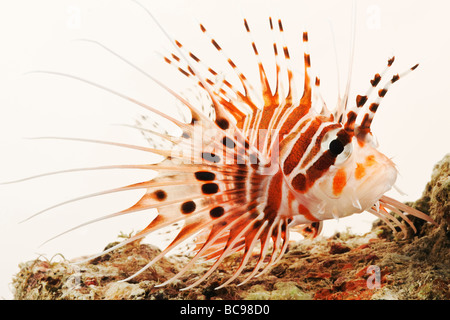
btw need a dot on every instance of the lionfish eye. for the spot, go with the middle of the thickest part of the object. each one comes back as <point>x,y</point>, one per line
<point>336,147</point>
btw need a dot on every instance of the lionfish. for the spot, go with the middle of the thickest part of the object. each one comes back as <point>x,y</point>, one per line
<point>259,163</point>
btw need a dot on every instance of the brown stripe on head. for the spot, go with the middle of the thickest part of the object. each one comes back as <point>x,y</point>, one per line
<point>319,167</point>
<point>303,182</point>
<point>350,123</point>
<point>300,146</point>
<point>345,136</point>
<point>299,183</point>
<point>293,118</point>
<point>317,146</point>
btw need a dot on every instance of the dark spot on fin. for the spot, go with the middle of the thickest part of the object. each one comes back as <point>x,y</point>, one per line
<point>280,25</point>
<point>160,195</point>
<point>194,57</point>
<point>351,118</point>
<point>205,176</point>
<point>176,57</point>
<point>257,224</point>
<point>382,92</point>
<point>232,64</point>
<point>216,212</point>
<point>395,78</point>
<point>183,72</point>
<point>305,36</point>
<point>307,60</point>
<point>188,207</point>
<point>194,119</point>
<point>222,123</point>
<point>365,123</point>
<point>360,100</point>
<point>210,188</point>
<point>373,107</point>
<point>286,52</point>
<point>391,61</point>
<point>216,45</point>
<point>376,80</point>
<point>254,48</point>
<point>178,43</point>
<point>246,25</point>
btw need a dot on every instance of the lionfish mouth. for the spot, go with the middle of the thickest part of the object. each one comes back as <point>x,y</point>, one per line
<point>233,200</point>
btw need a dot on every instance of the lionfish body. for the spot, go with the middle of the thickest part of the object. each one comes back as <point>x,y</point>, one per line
<point>262,162</point>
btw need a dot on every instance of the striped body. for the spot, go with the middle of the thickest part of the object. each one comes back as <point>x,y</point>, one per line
<point>252,164</point>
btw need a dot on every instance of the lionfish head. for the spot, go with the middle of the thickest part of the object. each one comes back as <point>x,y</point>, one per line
<point>358,178</point>
<point>342,172</point>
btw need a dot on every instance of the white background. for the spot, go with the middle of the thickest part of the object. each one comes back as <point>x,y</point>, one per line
<point>411,124</point>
